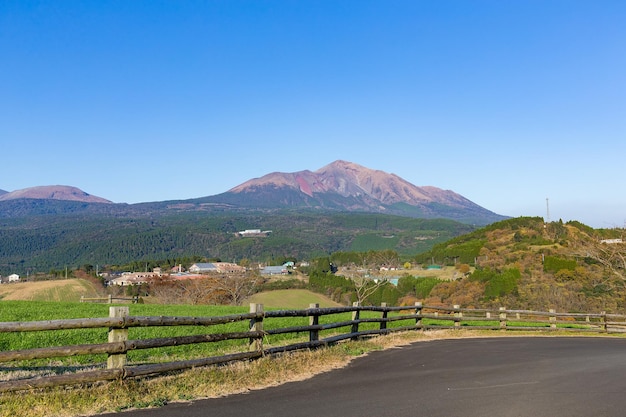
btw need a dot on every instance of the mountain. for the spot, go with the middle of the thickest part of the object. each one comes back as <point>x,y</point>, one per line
<point>346,186</point>
<point>338,187</point>
<point>52,192</point>
<point>2,192</point>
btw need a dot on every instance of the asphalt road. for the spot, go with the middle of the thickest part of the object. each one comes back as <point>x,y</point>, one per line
<point>555,377</point>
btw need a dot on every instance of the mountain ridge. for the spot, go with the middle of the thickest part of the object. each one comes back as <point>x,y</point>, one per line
<point>340,186</point>
<point>343,185</point>
<point>53,192</point>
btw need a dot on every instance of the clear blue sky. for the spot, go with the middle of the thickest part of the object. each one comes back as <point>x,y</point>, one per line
<point>504,102</point>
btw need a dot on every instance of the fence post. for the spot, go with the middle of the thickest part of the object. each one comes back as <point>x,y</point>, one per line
<point>117,360</point>
<point>256,325</point>
<point>458,315</point>
<point>604,324</point>
<point>110,299</point>
<point>418,314</point>
<point>503,318</point>
<point>552,319</point>
<point>314,320</point>
<point>356,315</point>
<point>383,323</point>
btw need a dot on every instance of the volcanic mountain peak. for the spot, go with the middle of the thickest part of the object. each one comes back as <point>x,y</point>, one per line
<point>350,180</point>
<point>53,192</point>
<point>347,186</point>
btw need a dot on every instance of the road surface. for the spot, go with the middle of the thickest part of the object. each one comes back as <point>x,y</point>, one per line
<point>510,376</point>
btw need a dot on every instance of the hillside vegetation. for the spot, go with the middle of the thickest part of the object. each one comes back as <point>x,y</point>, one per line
<point>44,243</point>
<point>525,263</point>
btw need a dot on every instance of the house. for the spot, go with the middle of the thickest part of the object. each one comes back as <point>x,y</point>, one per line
<point>274,270</point>
<point>228,267</point>
<point>13,278</point>
<point>611,241</point>
<point>253,233</point>
<point>133,278</point>
<point>221,267</point>
<point>202,267</point>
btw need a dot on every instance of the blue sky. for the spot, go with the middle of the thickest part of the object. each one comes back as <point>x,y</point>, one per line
<point>504,102</point>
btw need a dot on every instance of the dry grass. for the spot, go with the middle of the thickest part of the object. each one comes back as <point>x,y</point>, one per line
<point>57,290</point>
<point>211,382</point>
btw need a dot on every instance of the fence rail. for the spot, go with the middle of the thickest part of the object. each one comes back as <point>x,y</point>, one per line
<point>109,299</point>
<point>375,320</point>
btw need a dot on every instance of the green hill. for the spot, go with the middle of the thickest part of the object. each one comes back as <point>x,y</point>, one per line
<point>527,264</point>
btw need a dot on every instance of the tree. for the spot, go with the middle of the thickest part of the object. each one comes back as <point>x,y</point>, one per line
<point>236,288</point>
<point>388,258</point>
<point>365,286</point>
<point>610,253</point>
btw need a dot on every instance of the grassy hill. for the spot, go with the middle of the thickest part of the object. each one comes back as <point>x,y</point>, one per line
<point>527,264</point>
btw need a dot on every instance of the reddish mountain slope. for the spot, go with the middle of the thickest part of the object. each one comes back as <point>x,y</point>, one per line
<point>348,186</point>
<point>53,192</point>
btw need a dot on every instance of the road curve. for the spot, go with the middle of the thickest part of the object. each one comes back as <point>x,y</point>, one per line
<point>509,376</point>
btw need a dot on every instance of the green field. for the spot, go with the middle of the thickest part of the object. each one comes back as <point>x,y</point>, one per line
<point>291,299</point>
<point>11,311</point>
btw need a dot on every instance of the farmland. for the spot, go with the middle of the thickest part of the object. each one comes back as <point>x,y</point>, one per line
<point>60,290</point>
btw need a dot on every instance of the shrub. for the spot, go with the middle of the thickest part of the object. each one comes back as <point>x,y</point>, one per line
<point>423,286</point>
<point>554,264</point>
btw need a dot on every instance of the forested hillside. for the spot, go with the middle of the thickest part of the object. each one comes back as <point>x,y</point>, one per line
<point>43,242</point>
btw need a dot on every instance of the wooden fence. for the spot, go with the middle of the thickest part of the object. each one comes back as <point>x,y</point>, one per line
<point>257,340</point>
<point>109,299</point>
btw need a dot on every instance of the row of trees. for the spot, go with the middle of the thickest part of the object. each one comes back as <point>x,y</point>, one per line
<point>216,289</point>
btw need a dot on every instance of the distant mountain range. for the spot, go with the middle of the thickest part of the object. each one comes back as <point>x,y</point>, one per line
<point>340,186</point>
<point>52,192</point>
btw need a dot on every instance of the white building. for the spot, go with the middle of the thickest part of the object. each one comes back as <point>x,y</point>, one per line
<point>13,278</point>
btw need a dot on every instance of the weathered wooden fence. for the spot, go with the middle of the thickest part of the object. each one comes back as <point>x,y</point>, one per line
<point>109,299</point>
<point>364,321</point>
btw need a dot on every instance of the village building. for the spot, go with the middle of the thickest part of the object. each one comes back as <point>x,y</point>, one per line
<point>253,233</point>
<point>133,278</point>
<point>220,267</point>
<point>275,270</point>
<point>202,267</point>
